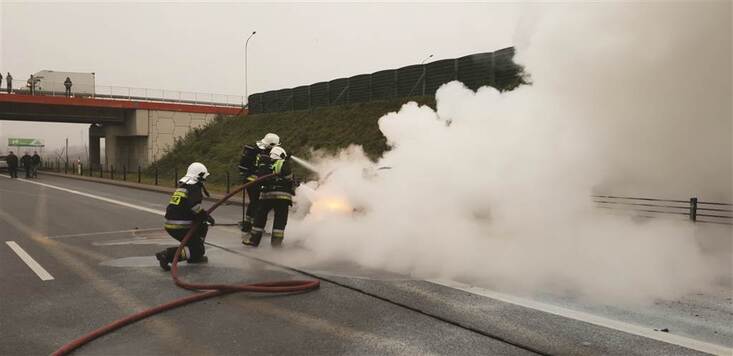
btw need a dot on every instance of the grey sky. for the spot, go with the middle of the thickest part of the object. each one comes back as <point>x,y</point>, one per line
<point>200,46</point>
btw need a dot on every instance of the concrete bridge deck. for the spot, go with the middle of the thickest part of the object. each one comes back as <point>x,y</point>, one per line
<point>135,132</point>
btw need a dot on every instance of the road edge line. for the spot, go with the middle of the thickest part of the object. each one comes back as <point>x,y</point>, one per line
<point>625,327</point>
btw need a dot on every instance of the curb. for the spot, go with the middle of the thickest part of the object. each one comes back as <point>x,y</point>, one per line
<point>237,200</point>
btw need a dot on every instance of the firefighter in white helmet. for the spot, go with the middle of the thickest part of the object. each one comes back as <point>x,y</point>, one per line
<point>183,213</point>
<point>247,169</point>
<point>276,194</point>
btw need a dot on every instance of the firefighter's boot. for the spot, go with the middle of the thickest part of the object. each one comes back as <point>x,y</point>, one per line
<point>253,238</point>
<point>276,240</point>
<point>162,257</point>
<point>245,226</point>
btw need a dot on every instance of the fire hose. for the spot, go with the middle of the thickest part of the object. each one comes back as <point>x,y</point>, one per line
<point>206,291</point>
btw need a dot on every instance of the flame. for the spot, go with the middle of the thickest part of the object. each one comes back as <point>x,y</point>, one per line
<point>331,205</point>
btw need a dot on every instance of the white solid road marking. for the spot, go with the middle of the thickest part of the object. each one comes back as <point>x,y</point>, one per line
<point>108,200</point>
<point>104,233</point>
<point>593,319</point>
<point>552,309</point>
<point>32,264</point>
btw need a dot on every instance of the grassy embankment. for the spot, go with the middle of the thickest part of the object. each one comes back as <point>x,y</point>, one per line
<point>219,144</point>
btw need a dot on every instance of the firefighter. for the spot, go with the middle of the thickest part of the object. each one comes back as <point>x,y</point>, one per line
<point>276,194</point>
<point>184,212</point>
<point>247,169</point>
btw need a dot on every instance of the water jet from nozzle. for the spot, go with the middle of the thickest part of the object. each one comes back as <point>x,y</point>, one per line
<point>305,164</point>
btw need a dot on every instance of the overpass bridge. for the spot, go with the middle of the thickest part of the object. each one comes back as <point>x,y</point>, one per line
<point>137,130</point>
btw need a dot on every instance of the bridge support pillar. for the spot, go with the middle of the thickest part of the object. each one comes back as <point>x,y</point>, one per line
<point>147,135</point>
<point>95,134</point>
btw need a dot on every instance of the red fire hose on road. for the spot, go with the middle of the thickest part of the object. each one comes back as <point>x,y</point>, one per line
<point>211,290</point>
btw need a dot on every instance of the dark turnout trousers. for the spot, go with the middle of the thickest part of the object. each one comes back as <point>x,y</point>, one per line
<point>253,193</point>
<point>195,244</point>
<point>280,207</point>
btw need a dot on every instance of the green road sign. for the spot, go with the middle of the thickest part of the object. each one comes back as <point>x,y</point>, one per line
<point>25,142</point>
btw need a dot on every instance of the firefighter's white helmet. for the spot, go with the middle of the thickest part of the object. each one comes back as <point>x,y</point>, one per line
<point>271,140</point>
<point>278,153</point>
<point>196,172</point>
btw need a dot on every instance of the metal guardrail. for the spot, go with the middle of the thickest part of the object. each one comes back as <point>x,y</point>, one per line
<point>135,174</point>
<point>692,209</point>
<point>127,93</point>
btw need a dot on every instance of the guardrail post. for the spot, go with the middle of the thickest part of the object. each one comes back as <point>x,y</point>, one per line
<point>112,172</point>
<point>138,174</point>
<point>156,174</point>
<point>175,176</point>
<point>124,172</point>
<point>81,169</point>
<point>693,209</point>
<point>227,175</point>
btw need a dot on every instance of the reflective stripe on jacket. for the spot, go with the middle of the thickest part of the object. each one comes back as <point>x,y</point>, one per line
<point>185,203</point>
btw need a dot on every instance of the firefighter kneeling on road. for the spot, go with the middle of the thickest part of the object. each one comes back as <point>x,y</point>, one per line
<point>248,170</point>
<point>184,212</point>
<point>276,194</point>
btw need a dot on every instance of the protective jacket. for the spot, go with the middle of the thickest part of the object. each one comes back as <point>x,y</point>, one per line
<point>281,186</point>
<point>185,206</point>
<point>249,162</point>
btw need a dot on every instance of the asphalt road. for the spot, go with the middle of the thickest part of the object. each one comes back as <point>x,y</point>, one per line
<point>99,254</point>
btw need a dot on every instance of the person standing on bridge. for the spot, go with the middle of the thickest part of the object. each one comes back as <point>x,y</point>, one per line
<point>9,80</point>
<point>12,160</point>
<point>36,163</point>
<point>184,212</point>
<point>67,84</point>
<point>276,194</point>
<point>26,161</point>
<point>247,169</point>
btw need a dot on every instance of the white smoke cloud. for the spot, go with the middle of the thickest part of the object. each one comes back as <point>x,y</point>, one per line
<point>495,187</point>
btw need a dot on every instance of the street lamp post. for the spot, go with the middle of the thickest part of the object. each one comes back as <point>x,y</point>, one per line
<point>245,67</point>
<point>426,59</point>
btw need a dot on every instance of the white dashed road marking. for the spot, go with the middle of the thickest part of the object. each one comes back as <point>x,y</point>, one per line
<point>32,264</point>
